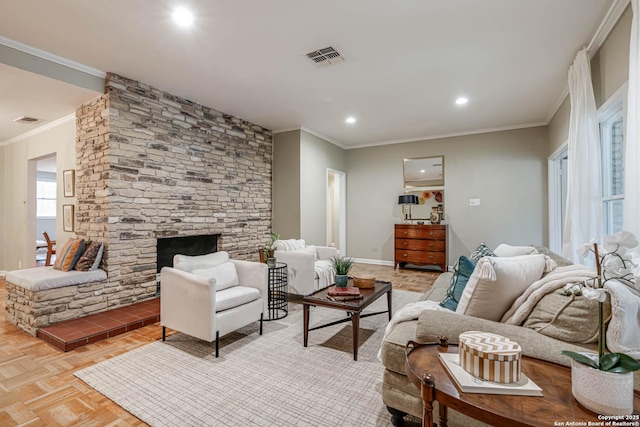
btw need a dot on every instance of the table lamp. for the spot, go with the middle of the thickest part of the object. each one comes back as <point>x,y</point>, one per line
<point>406,200</point>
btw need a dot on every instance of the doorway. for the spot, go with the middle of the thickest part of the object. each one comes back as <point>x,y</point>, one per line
<point>337,210</point>
<point>557,196</point>
<point>45,205</point>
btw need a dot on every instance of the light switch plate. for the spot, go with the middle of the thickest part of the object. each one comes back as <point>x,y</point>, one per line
<point>474,202</point>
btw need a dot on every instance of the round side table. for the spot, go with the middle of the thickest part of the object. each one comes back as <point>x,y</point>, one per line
<point>277,292</point>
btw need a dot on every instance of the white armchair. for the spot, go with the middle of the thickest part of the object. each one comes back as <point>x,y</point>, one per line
<point>308,267</point>
<point>209,296</point>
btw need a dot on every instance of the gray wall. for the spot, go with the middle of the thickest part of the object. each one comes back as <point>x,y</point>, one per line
<point>559,126</point>
<point>286,184</point>
<point>316,155</point>
<point>506,170</point>
<point>609,71</point>
<point>610,65</point>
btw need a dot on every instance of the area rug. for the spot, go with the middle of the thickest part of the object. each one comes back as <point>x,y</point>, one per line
<point>268,380</point>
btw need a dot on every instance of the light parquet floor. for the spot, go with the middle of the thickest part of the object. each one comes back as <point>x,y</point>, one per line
<point>37,386</point>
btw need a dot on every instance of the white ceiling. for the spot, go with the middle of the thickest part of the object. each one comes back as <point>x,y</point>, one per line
<point>406,60</point>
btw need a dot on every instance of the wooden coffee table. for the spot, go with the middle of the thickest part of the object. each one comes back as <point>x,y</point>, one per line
<point>353,308</point>
<point>557,404</point>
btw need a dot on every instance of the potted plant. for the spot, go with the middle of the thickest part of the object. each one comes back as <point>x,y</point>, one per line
<point>342,266</point>
<point>266,252</point>
<point>603,382</point>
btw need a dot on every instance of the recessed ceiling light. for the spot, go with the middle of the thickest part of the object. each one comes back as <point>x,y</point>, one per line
<point>183,17</point>
<point>462,100</point>
<point>350,120</point>
<point>422,171</point>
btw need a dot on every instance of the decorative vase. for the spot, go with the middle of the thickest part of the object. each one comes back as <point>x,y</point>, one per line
<point>605,393</point>
<point>435,218</point>
<point>342,280</point>
<point>271,262</point>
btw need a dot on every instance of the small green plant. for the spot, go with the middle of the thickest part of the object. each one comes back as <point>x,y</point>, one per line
<point>267,249</point>
<point>342,265</point>
<point>609,362</point>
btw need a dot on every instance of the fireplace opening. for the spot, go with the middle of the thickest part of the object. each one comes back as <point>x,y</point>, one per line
<point>189,245</point>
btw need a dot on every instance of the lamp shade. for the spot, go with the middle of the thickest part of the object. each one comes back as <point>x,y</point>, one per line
<point>408,199</point>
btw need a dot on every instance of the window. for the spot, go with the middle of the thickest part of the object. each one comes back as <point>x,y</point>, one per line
<point>612,142</point>
<point>45,198</point>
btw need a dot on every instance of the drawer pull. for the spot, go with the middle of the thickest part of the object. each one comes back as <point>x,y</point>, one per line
<point>431,234</point>
<point>430,256</point>
<point>431,245</point>
<point>404,255</point>
<point>404,243</point>
<point>405,233</point>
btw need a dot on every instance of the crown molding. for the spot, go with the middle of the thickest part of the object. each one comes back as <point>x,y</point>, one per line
<point>314,133</point>
<point>450,135</point>
<point>609,21</point>
<point>51,57</point>
<point>40,129</point>
<point>556,106</point>
<point>326,138</point>
<point>612,17</point>
<point>286,130</point>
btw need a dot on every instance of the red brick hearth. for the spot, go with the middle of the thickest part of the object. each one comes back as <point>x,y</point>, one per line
<point>75,333</point>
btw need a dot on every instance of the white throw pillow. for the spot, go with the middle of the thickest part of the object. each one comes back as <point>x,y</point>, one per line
<point>497,282</point>
<point>290,245</point>
<point>623,332</point>
<point>505,250</point>
<point>312,250</point>
<point>190,263</point>
<point>225,274</point>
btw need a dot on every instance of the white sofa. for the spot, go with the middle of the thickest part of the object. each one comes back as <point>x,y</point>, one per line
<point>209,296</point>
<point>308,266</point>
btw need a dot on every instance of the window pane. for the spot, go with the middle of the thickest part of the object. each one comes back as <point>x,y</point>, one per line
<point>46,207</point>
<point>613,215</point>
<point>617,159</point>
<point>46,190</point>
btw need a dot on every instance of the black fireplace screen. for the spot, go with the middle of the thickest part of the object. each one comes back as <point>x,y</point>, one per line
<point>189,245</point>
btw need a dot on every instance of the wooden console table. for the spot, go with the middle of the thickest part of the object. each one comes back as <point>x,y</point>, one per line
<point>425,370</point>
<point>421,244</point>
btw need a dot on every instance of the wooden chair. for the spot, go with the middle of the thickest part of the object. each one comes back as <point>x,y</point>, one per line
<point>51,248</point>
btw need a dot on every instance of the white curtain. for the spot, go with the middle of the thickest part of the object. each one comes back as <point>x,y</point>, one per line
<point>632,145</point>
<point>583,220</point>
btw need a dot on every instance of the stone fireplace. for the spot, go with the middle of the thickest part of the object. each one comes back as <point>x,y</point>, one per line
<point>167,248</point>
<point>151,165</point>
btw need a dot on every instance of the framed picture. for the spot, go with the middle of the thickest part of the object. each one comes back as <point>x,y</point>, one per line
<point>69,182</point>
<point>68,222</point>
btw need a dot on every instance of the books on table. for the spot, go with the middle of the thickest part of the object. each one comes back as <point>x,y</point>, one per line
<point>336,291</point>
<point>467,383</point>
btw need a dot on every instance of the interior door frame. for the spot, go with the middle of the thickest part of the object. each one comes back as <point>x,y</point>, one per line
<point>555,197</point>
<point>342,237</point>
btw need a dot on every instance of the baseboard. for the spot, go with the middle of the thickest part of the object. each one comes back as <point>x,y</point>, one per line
<point>3,273</point>
<point>373,261</point>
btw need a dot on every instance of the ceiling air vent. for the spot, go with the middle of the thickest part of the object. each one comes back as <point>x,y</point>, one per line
<point>325,56</point>
<point>27,120</point>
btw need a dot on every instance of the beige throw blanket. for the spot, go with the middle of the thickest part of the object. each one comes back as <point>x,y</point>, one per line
<point>557,279</point>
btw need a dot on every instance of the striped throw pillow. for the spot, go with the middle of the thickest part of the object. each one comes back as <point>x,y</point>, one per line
<point>89,256</point>
<point>71,252</point>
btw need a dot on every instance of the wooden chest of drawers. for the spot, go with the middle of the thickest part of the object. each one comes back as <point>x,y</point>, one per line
<point>421,245</point>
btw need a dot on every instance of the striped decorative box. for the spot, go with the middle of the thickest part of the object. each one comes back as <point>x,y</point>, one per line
<point>490,356</point>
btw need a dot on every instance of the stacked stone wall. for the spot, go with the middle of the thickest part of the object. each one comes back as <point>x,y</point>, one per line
<point>30,310</point>
<point>152,165</point>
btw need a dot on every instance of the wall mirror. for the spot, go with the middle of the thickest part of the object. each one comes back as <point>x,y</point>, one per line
<point>423,172</point>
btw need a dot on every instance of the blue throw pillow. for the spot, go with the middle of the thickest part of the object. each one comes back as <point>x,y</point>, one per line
<point>461,273</point>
